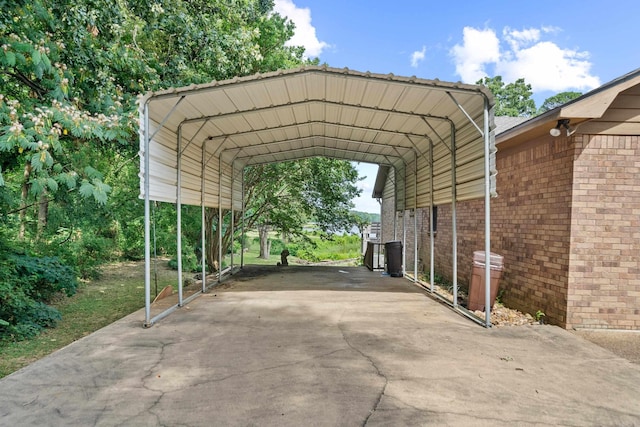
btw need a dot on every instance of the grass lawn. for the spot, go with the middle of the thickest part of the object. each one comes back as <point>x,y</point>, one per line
<point>117,293</point>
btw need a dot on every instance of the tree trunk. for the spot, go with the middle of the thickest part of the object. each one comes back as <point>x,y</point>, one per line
<point>263,230</point>
<point>43,212</point>
<point>23,202</point>
<point>211,237</point>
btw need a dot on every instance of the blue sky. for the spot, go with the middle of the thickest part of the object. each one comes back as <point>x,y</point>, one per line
<point>556,46</point>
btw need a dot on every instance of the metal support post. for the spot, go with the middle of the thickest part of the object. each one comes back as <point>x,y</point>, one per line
<point>487,216</point>
<point>202,218</point>
<point>179,214</point>
<point>454,218</point>
<point>147,217</point>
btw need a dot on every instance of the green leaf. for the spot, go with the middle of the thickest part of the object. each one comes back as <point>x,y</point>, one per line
<point>10,58</point>
<point>46,62</point>
<point>101,191</point>
<point>39,70</point>
<point>6,144</point>
<point>36,57</point>
<point>36,187</point>
<point>48,160</point>
<point>20,59</point>
<point>36,162</point>
<point>1,178</point>
<point>58,93</point>
<point>92,173</point>
<point>52,184</point>
<point>86,189</point>
<point>71,180</point>
<point>23,47</point>
<point>67,179</point>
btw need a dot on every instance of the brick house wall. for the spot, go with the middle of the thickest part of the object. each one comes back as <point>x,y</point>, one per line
<point>530,227</point>
<point>566,220</point>
<point>387,215</point>
<point>604,279</point>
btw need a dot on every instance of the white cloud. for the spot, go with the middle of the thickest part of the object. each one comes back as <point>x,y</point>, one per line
<point>545,66</point>
<point>479,48</point>
<point>305,33</point>
<point>542,63</point>
<point>516,38</point>
<point>418,56</point>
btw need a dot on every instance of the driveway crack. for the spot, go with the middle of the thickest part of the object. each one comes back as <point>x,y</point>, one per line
<point>378,373</point>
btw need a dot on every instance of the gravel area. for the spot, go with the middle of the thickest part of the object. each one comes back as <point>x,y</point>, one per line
<point>505,316</point>
<point>500,315</point>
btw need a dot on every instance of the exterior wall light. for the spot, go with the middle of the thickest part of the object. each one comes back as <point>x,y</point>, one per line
<point>562,123</point>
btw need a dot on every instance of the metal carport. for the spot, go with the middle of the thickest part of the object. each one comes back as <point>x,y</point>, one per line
<point>195,141</point>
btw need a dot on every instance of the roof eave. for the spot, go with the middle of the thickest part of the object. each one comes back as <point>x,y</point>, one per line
<point>591,105</point>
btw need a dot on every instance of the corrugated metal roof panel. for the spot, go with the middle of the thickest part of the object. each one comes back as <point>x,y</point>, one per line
<point>314,111</point>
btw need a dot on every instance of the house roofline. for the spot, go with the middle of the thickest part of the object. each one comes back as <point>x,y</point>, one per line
<point>591,105</point>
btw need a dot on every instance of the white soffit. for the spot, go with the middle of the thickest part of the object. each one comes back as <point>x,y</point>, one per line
<point>314,111</point>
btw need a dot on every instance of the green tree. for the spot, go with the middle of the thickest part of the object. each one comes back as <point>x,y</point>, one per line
<point>71,71</point>
<point>70,75</point>
<point>512,99</point>
<point>557,100</point>
<point>283,197</point>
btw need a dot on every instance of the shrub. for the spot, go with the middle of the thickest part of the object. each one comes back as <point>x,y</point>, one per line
<point>293,248</point>
<point>21,317</point>
<point>27,283</point>
<point>277,246</point>
<point>307,255</point>
<point>44,277</point>
<point>189,261</point>
<point>236,247</point>
<point>91,252</point>
<point>130,239</point>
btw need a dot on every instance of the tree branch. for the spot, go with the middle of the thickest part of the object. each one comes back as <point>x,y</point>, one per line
<point>18,75</point>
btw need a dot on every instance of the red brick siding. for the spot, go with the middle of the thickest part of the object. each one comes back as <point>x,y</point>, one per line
<point>530,227</point>
<point>387,219</point>
<point>604,282</point>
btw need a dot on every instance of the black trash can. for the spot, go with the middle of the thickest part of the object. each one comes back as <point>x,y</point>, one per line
<point>393,257</point>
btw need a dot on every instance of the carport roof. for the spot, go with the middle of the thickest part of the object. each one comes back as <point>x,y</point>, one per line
<point>195,140</point>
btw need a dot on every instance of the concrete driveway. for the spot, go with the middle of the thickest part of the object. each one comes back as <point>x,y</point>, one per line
<point>322,346</point>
